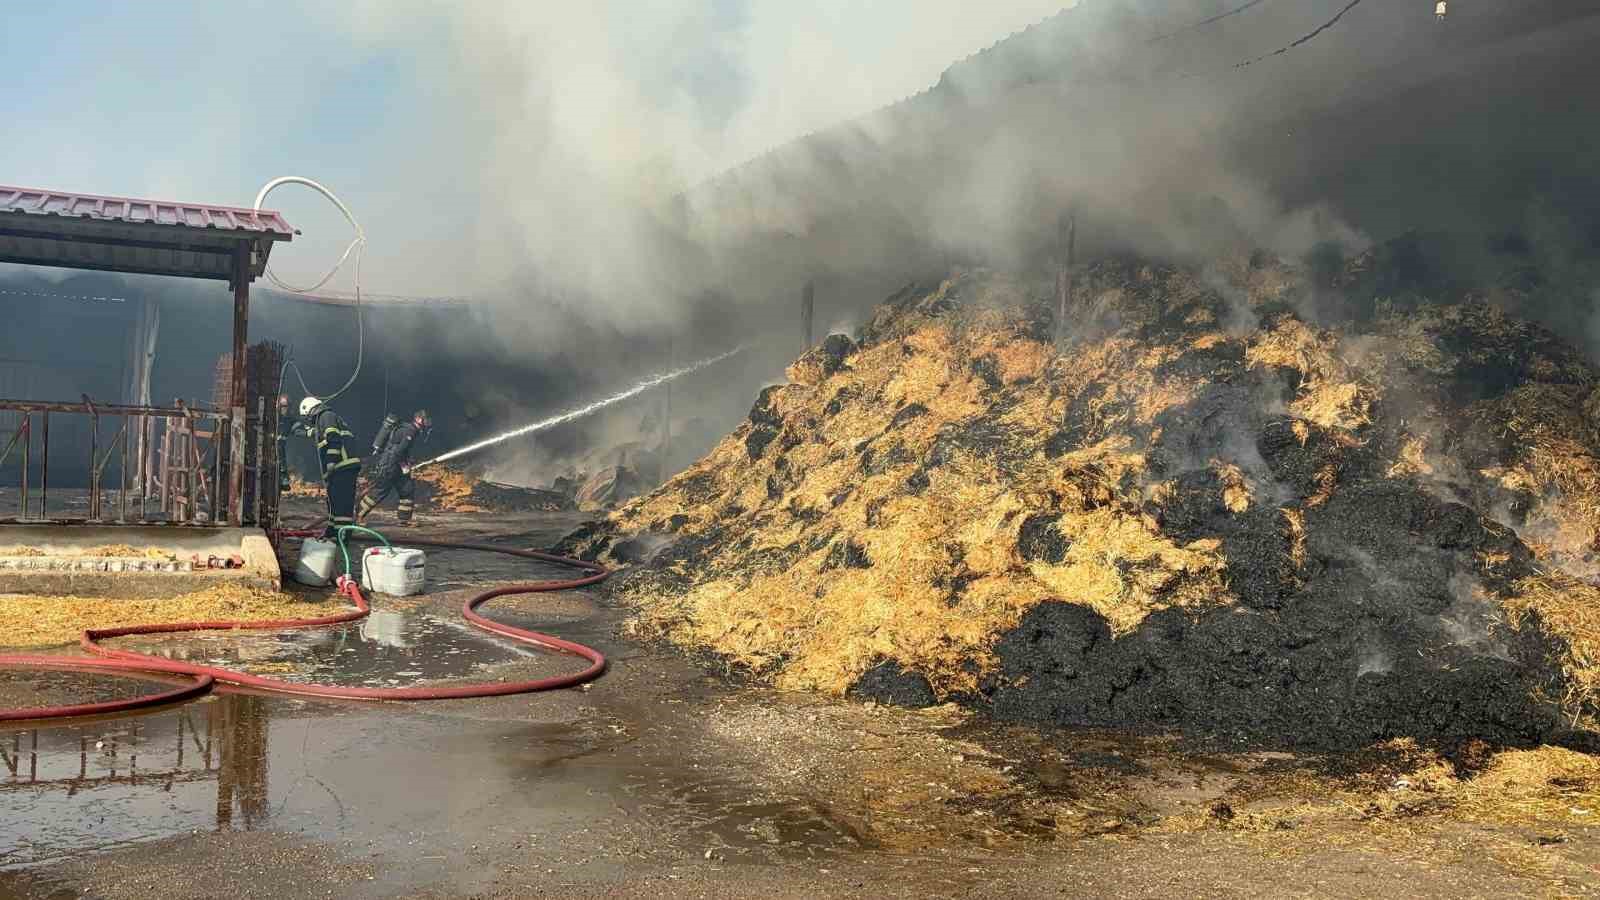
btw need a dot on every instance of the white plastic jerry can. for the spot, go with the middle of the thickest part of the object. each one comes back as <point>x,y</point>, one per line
<point>396,571</point>
<point>316,563</point>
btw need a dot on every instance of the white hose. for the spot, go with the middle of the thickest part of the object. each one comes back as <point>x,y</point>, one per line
<point>358,246</point>
<point>358,242</point>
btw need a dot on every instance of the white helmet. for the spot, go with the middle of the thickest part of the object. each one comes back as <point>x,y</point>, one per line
<point>307,405</point>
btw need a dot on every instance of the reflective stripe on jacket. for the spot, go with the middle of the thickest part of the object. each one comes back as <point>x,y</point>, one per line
<point>333,439</point>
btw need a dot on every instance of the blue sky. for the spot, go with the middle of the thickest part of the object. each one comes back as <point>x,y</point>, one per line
<point>451,129</point>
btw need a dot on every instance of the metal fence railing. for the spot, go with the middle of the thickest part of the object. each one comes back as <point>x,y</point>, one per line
<point>160,464</point>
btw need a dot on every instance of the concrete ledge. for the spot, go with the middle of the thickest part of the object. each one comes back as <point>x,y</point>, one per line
<point>62,560</point>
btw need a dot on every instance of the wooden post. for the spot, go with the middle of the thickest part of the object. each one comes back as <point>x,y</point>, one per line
<point>808,296</point>
<point>241,318</point>
<point>241,325</point>
<point>1067,235</point>
<point>260,460</point>
<point>236,442</point>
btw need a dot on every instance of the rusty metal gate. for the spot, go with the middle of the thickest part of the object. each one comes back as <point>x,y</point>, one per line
<point>182,479</point>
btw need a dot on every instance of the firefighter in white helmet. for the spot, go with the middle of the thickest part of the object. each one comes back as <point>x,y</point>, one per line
<point>339,469</point>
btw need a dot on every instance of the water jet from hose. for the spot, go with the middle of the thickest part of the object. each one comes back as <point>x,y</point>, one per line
<point>580,412</point>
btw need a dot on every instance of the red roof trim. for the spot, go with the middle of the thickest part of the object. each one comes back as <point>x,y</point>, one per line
<point>37,201</point>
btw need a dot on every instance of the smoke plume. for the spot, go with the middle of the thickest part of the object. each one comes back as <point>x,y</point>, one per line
<point>618,185</point>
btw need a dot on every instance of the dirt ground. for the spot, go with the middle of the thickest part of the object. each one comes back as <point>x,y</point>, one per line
<point>666,779</point>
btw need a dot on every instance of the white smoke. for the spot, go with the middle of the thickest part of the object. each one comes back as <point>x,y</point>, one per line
<point>1373,659</point>
<point>1473,619</point>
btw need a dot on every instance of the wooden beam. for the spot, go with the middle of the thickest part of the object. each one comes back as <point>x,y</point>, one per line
<point>241,318</point>
<point>132,268</point>
<point>177,246</point>
<point>241,329</point>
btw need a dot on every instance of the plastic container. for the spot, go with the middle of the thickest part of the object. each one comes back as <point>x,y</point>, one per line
<point>396,571</point>
<point>317,562</point>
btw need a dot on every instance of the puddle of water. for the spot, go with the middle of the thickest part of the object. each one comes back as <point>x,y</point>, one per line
<point>391,778</point>
<point>740,818</point>
<point>23,688</point>
<point>108,784</point>
<point>389,648</point>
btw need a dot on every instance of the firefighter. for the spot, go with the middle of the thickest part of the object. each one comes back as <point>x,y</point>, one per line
<point>391,471</point>
<point>339,468</point>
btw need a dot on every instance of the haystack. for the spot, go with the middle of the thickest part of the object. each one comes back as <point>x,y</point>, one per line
<point>1223,507</point>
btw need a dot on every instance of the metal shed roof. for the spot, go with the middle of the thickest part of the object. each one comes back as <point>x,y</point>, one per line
<point>345,298</point>
<point>126,234</point>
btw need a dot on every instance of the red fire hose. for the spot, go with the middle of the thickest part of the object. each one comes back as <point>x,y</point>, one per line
<point>131,663</point>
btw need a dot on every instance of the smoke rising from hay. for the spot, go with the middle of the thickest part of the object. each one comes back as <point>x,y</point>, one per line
<point>1373,659</point>
<point>638,164</point>
<point>588,121</point>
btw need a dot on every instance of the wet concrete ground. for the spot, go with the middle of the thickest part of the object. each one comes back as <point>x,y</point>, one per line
<point>660,780</point>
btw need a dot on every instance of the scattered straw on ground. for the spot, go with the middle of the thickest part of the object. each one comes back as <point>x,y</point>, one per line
<point>1543,787</point>
<point>128,550</point>
<point>123,551</point>
<point>1511,808</point>
<point>38,621</point>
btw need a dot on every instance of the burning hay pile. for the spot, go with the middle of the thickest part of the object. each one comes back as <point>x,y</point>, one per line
<point>1221,508</point>
<point>453,490</point>
<point>299,487</point>
<point>449,489</point>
